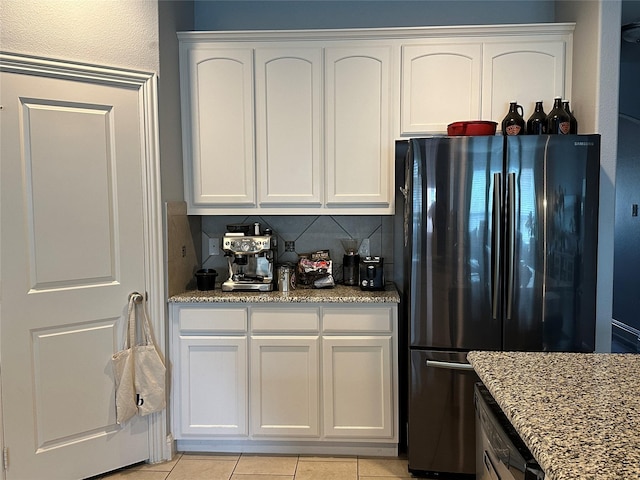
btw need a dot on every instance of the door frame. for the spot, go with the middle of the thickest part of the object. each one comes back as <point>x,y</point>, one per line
<point>160,444</point>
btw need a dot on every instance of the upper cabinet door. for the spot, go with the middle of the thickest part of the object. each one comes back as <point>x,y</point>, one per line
<point>526,71</point>
<point>217,115</point>
<point>440,85</point>
<point>288,125</point>
<point>359,143</point>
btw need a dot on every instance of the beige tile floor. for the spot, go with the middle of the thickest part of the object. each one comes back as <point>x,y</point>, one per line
<point>266,467</point>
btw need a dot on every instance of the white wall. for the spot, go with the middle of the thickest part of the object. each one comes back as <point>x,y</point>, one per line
<point>117,33</point>
<point>596,65</point>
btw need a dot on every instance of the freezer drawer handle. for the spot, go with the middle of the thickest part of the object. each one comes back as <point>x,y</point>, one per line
<point>449,365</point>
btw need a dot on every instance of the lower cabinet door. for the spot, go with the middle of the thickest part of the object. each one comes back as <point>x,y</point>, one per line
<point>358,387</point>
<point>285,386</point>
<point>213,386</point>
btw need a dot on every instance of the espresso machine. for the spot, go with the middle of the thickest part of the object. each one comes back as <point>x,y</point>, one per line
<point>250,254</point>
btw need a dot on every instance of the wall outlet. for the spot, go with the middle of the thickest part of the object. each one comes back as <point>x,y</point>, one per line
<point>214,246</point>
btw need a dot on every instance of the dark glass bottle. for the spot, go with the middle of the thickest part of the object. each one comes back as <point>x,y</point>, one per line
<point>573,123</point>
<point>558,121</point>
<point>537,123</point>
<point>513,122</point>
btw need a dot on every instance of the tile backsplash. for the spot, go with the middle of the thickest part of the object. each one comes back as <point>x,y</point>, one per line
<point>188,240</point>
<point>308,233</point>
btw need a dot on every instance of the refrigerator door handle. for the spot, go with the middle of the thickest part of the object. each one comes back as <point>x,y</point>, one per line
<point>495,241</point>
<point>511,229</point>
<point>448,365</point>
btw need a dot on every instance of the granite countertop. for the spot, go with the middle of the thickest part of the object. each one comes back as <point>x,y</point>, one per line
<point>337,294</point>
<point>579,413</point>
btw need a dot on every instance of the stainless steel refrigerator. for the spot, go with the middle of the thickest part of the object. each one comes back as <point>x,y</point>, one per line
<point>500,238</point>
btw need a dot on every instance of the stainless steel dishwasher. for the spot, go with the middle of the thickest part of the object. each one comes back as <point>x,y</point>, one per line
<point>500,452</point>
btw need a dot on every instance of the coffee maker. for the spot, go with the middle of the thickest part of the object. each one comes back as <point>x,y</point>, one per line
<point>250,254</point>
<point>372,273</point>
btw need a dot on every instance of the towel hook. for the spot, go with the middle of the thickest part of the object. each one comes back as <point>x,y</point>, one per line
<point>136,297</point>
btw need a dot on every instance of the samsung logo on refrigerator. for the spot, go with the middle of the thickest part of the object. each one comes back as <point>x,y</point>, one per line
<point>583,144</point>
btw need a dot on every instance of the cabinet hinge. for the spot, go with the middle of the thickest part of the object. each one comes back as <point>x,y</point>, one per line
<point>5,458</point>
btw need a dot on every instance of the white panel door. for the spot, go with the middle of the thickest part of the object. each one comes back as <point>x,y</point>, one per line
<point>72,251</point>
<point>440,85</point>
<point>358,386</point>
<point>285,391</point>
<point>524,71</point>
<point>217,126</point>
<point>213,386</point>
<point>359,144</point>
<point>289,125</point>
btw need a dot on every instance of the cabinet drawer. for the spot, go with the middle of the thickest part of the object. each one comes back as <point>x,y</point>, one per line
<point>358,319</point>
<point>213,320</point>
<point>285,319</point>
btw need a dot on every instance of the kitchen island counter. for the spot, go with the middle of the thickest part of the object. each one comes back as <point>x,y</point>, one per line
<point>578,413</point>
<point>338,294</point>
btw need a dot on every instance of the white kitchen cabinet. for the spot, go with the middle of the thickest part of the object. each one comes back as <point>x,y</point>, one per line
<point>289,125</point>
<point>359,141</point>
<point>285,368</point>
<point>273,378</point>
<point>441,84</point>
<point>473,74</point>
<point>323,139</point>
<point>526,70</point>
<point>217,125</point>
<point>210,380</point>
<point>213,385</point>
<point>284,386</point>
<point>358,397</point>
<point>328,105</point>
<point>345,162</point>
<point>359,372</point>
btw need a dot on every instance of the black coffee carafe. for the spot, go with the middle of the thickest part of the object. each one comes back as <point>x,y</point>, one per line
<point>537,122</point>
<point>513,122</point>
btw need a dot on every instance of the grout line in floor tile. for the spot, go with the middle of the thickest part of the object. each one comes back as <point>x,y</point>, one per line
<point>182,456</point>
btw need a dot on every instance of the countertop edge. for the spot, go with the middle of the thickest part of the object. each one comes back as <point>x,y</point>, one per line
<point>339,294</point>
<point>495,389</point>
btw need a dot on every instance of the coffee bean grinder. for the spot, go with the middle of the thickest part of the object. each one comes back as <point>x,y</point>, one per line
<point>350,261</point>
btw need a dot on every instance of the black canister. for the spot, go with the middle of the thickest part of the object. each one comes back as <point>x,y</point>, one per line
<point>206,279</point>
